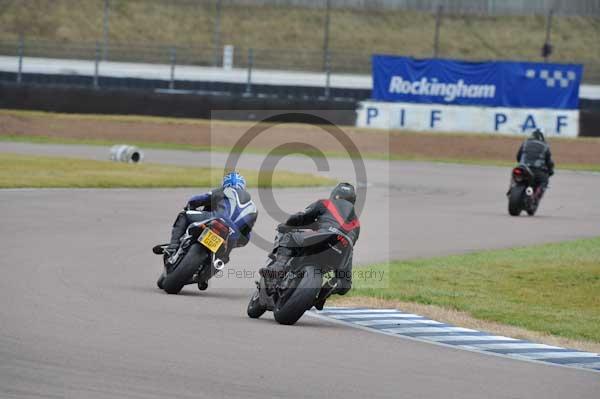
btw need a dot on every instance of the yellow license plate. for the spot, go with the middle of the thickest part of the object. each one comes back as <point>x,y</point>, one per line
<point>211,240</point>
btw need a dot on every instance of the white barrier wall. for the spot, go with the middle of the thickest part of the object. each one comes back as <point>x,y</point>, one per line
<point>451,118</point>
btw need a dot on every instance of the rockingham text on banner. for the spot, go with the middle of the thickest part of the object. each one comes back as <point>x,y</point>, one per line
<point>492,84</point>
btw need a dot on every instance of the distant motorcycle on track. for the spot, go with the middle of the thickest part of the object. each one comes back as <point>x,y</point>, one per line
<point>524,194</point>
<point>307,258</point>
<point>199,256</point>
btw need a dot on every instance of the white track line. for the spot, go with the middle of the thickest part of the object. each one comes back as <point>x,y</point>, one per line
<point>592,366</point>
<point>457,338</point>
<point>375,316</point>
<point>342,311</point>
<point>522,345</point>
<point>556,355</point>
<point>381,322</point>
<point>408,330</point>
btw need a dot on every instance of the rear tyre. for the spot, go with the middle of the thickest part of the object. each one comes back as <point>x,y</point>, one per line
<point>288,310</point>
<point>515,200</point>
<point>185,270</point>
<point>255,309</point>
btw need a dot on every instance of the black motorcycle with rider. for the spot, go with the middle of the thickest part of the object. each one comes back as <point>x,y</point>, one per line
<point>529,179</point>
<point>210,226</point>
<point>311,258</point>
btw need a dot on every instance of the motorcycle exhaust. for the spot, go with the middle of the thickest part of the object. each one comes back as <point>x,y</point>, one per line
<point>218,264</point>
<point>529,191</point>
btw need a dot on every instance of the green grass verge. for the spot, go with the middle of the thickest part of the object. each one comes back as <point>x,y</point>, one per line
<point>250,150</point>
<point>50,116</point>
<point>553,288</point>
<point>363,32</point>
<point>20,171</point>
<point>104,143</point>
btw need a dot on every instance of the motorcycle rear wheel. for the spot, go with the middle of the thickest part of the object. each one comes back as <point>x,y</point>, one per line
<point>290,309</point>
<point>515,200</point>
<point>185,270</point>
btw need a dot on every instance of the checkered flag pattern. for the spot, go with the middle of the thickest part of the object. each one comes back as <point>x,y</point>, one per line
<point>552,78</point>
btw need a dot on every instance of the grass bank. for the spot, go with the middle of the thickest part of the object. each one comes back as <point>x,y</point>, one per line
<point>150,132</point>
<point>23,171</point>
<point>361,33</point>
<point>551,289</point>
<point>190,147</point>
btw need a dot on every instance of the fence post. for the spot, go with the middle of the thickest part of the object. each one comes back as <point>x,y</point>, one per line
<point>326,33</point>
<point>436,38</point>
<point>106,22</point>
<point>217,33</point>
<point>20,51</point>
<point>250,65</point>
<point>327,74</point>
<point>173,63</point>
<point>97,65</point>
<point>547,48</point>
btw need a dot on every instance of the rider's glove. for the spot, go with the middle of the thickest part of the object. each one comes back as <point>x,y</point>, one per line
<point>282,228</point>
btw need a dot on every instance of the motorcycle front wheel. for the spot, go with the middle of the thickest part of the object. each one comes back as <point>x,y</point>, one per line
<point>159,282</point>
<point>533,206</point>
<point>532,209</point>
<point>255,309</point>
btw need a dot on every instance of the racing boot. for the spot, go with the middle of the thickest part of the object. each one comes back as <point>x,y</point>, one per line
<point>327,290</point>
<point>177,232</point>
<point>159,249</point>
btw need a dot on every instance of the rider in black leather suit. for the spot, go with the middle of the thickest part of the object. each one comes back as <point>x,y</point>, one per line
<point>337,214</point>
<point>535,153</point>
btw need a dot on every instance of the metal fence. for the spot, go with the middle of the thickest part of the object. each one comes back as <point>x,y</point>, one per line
<point>481,7</point>
<point>331,36</point>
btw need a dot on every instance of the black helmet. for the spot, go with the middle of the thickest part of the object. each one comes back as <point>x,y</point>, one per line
<point>344,191</point>
<point>538,135</point>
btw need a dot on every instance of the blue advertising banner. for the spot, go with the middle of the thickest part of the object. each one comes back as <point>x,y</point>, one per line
<point>492,84</point>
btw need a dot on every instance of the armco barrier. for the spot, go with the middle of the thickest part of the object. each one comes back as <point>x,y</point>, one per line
<point>261,90</point>
<point>143,101</point>
<point>82,100</point>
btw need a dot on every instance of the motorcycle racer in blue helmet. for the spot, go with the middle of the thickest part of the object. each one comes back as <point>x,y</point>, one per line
<point>231,202</point>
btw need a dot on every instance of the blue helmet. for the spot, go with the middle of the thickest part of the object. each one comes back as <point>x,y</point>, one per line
<point>235,180</point>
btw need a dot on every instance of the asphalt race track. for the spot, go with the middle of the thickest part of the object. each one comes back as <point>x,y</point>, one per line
<point>80,316</point>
